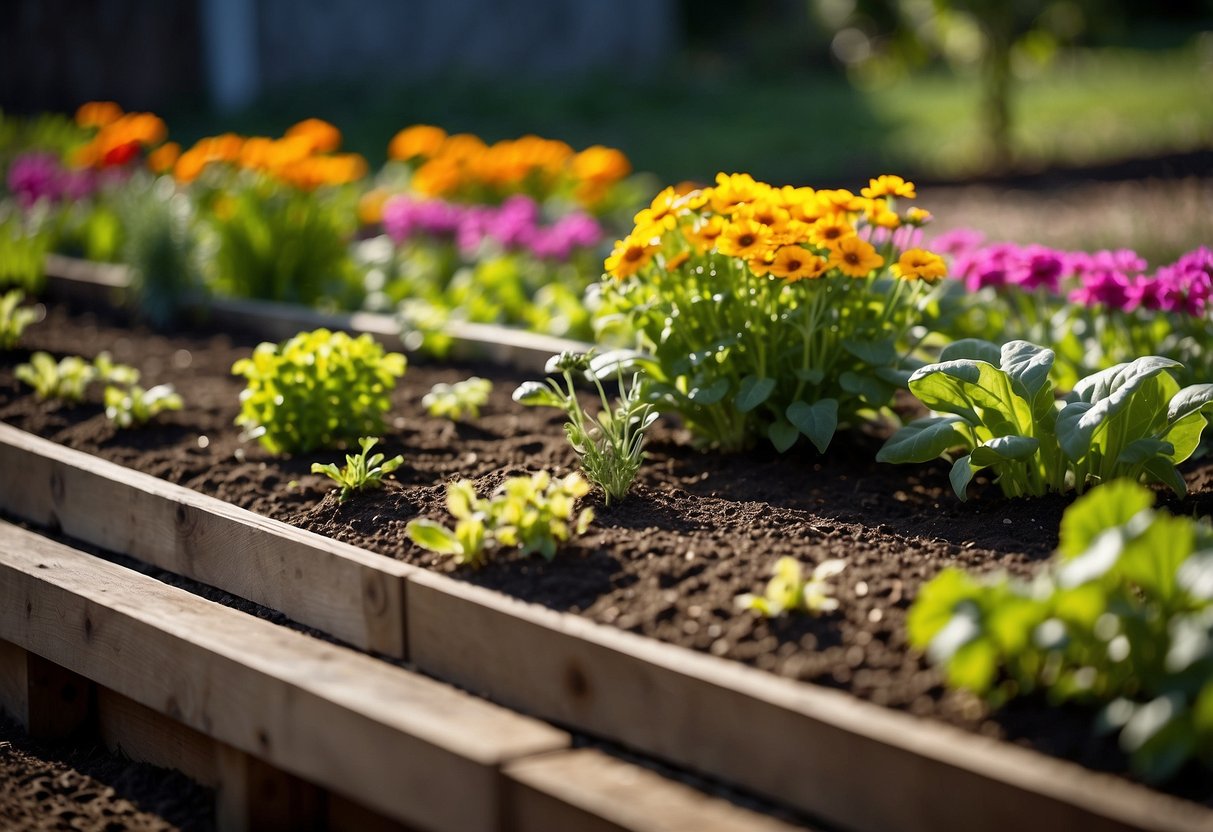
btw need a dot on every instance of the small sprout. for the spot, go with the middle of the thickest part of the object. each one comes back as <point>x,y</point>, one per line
<point>454,401</point>
<point>136,406</point>
<point>111,373</point>
<point>788,591</point>
<point>611,447</point>
<point>69,378</point>
<point>14,318</point>
<point>533,513</point>
<point>361,472</point>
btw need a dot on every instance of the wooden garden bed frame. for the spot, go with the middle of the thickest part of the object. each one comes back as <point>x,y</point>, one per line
<point>823,752</point>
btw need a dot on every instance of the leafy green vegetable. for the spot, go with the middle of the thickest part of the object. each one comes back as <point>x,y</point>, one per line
<point>789,591</point>
<point>14,318</point>
<point>361,472</point>
<point>533,513</point>
<point>1122,618</point>
<point>69,378</point>
<point>136,406</point>
<point>454,401</point>
<point>611,446</point>
<point>315,390</point>
<point>998,404</point>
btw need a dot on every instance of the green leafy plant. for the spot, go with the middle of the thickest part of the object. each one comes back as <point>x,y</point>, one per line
<point>131,406</point>
<point>1122,618</point>
<point>158,246</point>
<point>361,472</point>
<point>611,446</point>
<point>789,591</point>
<point>14,318</point>
<point>68,379</point>
<point>532,513</point>
<point>998,405</point>
<point>315,390</point>
<point>455,401</point>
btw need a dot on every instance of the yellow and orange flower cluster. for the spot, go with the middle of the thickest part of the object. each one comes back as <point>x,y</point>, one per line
<point>119,137</point>
<point>789,233</point>
<point>304,157</point>
<point>454,166</point>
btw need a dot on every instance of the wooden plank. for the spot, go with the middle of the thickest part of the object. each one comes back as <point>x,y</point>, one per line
<point>822,751</point>
<point>589,791</point>
<point>61,703</point>
<point>352,594</point>
<point>14,684</point>
<point>139,733</point>
<point>255,797</point>
<point>403,745</point>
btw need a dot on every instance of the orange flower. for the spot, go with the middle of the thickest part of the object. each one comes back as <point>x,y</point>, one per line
<point>919,264</point>
<point>323,137</point>
<point>673,263</point>
<point>162,159</point>
<point>629,256</point>
<point>370,206</point>
<point>420,140</point>
<point>854,257</point>
<point>600,164</point>
<point>438,177</point>
<point>889,185</point>
<point>98,114</point>
<point>190,165</point>
<point>794,263</point>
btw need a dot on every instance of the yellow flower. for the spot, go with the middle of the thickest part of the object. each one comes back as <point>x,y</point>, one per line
<point>889,185</point>
<point>841,200</point>
<point>744,239</point>
<point>732,191</point>
<point>765,212</point>
<point>370,206</point>
<point>659,216</point>
<point>918,216</point>
<point>829,230</point>
<point>630,256</point>
<point>854,257</point>
<point>422,140</point>
<point>919,264</point>
<point>794,263</point>
<point>677,260</point>
<point>761,265</point>
<point>323,137</point>
<point>704,233</point>
<point>879,214</point>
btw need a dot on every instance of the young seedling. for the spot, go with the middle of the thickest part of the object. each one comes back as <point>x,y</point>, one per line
<point>127,407</point>
<point>69,378</point>
<point>611,447</point>
<point>455,401</point>
<point>532,513</point>
<point>361,473</point>
<point>788,591</point>
<point>14,318</point>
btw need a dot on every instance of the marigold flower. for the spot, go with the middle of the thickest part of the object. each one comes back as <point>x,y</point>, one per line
<point>98,114</point>
<point>919,264</point>
<point>600,164</point>
<point>794,263</point>
<point>854,257</point>
<point>438,177</point>
<point>162,159</point>
<point>462,147</point>
<point>190,165</point>
<point>889,185</point>
<point>629,256</point>
<point>420,140</point>
<point>370,206</point>
<point>323,137</point>
<point>744,239</point>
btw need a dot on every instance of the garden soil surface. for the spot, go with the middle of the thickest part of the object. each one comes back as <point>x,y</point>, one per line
<point>668,562</point>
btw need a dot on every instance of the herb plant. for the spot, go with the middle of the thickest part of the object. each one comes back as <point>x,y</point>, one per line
<point>131,406</point>
<point>789,591</point>
<point>610,447</point>
<point>533,513</point>
<point>14,318</point>
<point>997,404</point>
<point>315,390</point>
<point>772,312</point>
<point>455,401</point>
<point>361,472</point>
<point>1122,618</point>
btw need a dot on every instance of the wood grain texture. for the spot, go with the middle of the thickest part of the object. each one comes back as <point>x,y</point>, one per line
<point>404,745</point>
<point>14,683</point>
<point>148,736</point>
<point>352,594</point>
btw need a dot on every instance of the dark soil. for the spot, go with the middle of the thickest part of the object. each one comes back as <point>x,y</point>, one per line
<point>62,786</point>
<point>668,562</point>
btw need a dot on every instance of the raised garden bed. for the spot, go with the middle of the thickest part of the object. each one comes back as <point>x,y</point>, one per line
<point>666,564</point>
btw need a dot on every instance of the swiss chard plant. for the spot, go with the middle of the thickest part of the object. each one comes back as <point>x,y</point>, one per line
<point>131,406</point>
<point>363,471</point>
<point>534,514</point>
<point>463,399</point>
<point>789,591</point>
<point>315,390</point>
<point>610,446</point>
<point>14,318</point>
<point>1122,620</point>
<point>995,408</point>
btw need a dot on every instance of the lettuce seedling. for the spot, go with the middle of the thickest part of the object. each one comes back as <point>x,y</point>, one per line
<point>788,591</point>
<point>998,404</point>
<point>454,401</point>
<point>316,390</point>
<point>533,513</point>
<point>126,407</point>
<point>68,379</point>
<point>1121,619</point>
<point>361,473</point>
<point>14,318</point>
<point>610,447</point>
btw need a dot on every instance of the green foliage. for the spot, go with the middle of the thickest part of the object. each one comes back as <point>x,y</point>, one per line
<point>14,318</point>
<point>361,473</point>
<point>455,401</point>
<point>1122,618</point>
<point>23,250</point>
<point>611,446</point>
<point>532,513</point>
<point>789,591</point>
<point>131,406</point>
<point>158,246</point>
<point>69,378</point>
<point>315,390</point>
<point>1130,421</point>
